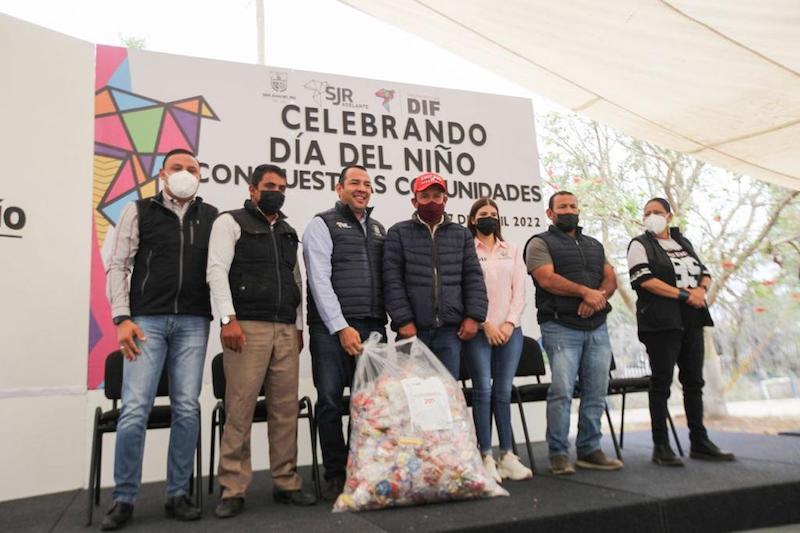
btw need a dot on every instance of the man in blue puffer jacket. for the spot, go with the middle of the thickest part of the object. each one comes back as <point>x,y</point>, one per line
<point>432,282</point>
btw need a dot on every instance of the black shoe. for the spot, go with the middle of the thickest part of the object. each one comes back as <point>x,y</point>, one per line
<point>293,497</point>
<point>333,488</point>
<point>117,516</point>
<point>229,507</point>
<point>664,456</point>
<point>181,508</point>
<point>705,449</point>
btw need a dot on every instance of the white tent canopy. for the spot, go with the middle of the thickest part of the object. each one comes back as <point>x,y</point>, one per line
<point>716,79</point>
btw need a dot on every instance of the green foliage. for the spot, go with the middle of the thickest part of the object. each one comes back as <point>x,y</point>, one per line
<point>129,41</point>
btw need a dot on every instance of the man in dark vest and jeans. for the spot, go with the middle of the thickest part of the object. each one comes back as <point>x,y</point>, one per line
<point>255,281</point>
<point>162,311</point>
<point>343,252</point>
<point>573,284</point>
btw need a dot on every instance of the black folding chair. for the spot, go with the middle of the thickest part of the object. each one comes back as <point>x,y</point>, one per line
<point>531,363</point>
<point>630,385</point>
<point>106,422</point>
<point>259,415</point>
<point>617,447</point>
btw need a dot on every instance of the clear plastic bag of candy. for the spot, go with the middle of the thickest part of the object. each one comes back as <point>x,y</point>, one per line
<point>412,439</point>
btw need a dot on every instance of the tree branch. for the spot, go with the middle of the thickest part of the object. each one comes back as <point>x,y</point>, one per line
<point>748,251</point>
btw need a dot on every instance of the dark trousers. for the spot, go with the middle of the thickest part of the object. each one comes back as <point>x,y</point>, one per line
<point>665,349</point>
<point>333,370</point>
<point>445,345</point>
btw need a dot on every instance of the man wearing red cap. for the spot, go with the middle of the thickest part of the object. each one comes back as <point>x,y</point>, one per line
<point>432,282</point>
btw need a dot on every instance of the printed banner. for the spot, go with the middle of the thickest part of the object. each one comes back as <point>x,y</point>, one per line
<point>237,116</point>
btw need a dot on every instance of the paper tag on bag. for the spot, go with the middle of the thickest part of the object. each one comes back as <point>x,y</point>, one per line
<point>428,403</point>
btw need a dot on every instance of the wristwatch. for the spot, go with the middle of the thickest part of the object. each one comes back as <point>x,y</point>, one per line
<point>227,319</point>
<point>120,319</point>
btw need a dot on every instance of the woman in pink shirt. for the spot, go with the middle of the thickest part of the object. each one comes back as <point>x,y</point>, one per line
<point>493,354</point>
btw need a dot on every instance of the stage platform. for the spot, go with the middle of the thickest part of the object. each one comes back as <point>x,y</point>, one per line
<point>761,489</point>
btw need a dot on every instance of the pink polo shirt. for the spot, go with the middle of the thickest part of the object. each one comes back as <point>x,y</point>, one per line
<point>505,275</point>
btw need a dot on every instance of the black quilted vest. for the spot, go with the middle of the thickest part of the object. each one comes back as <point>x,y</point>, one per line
<point>262,273</point>
<point>169,270</point>
<point>356,265</point>
<point>580,260</point>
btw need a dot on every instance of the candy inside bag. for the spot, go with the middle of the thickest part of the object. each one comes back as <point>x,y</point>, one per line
<point>412,439</point>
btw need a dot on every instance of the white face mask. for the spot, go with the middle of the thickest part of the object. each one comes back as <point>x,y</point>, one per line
<point>182,184</point>
<point>655,223</point>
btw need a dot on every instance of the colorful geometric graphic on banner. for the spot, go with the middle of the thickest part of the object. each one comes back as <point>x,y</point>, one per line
<point>133,132</point>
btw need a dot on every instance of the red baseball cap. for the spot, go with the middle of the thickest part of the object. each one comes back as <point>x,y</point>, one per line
<point>423,181</point>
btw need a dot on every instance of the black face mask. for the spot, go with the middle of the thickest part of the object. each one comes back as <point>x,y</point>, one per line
<point>487,225</point>
<point>270,202</point>
<point>567,222</point>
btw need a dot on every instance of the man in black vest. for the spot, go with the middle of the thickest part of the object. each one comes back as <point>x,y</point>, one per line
<point>255,281</point>
<point>573,284</point>
<point>343,251</point>
<point>162,315</point>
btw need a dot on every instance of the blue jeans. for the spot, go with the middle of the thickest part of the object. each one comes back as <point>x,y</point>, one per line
<point>445,344</point>
<point>333,369</point>
<point>492,369</point>
<point>573,354</point>
<point>180,340</point>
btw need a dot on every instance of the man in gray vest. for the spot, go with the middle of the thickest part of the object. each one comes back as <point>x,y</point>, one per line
<point>343,252</point>
<point>573,284</point>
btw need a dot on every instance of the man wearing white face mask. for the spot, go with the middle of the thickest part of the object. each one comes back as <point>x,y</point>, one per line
<point>671,282</point>
<point>162,316</point>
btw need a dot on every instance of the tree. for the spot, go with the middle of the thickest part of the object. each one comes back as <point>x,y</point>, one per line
<point>129,41</point>
<point>738,224</point>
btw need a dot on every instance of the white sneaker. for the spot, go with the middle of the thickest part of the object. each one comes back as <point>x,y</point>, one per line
<point>491,467</point>
<point>510,467</point>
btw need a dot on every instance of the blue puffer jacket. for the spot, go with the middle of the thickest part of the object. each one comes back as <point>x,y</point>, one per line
<point>432,282</point>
